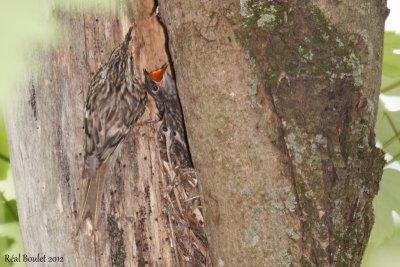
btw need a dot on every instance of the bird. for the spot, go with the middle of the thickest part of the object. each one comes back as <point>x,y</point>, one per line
<point>161,86</point>
<point>183,195</point>
<point>116,99</point>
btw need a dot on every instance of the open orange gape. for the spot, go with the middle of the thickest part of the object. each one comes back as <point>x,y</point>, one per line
<point>158,74</point>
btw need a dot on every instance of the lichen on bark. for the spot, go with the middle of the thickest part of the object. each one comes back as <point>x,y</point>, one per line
<point>315,75</point>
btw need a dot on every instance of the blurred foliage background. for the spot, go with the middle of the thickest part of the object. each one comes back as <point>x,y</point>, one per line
<point>10,238</point>
<point>384,244</point>
<point>33,25</point>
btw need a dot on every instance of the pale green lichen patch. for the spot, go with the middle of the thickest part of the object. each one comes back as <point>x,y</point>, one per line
<point>245,11</point>
<point>246,192</point>
<point>253,100</point>
<point>281,200</point>
<point>291,202</point>
<point>296,147</point>
<point>255,212</point>
<point>306,54</point>
<point>250,59</point>
<point>265,20</point>
<point>262,13</point>
<point>251,238</point>
<point>268,17</point>
<point>315,75</point>
<point>254,82</point>
<point>278,207</point>
<point>353,62</point>
<point>285,259</point>
<point>292,234</point>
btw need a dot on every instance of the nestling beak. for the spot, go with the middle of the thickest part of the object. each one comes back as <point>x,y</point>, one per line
<point>158,74</point>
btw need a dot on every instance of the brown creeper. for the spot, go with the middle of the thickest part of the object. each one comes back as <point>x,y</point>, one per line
<point>183,196</point>
<point>114,103</point>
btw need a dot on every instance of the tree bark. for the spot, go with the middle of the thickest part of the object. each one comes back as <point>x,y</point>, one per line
<point>46,132</point>
<point>280,101</point>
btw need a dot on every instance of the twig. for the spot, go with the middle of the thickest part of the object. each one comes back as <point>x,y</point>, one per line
<point>395,158</point>
<point>396,133</point>
<point>391,140</point>
<point>390,87</point>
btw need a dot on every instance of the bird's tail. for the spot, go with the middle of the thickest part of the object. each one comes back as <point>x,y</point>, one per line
<point>94,178</point>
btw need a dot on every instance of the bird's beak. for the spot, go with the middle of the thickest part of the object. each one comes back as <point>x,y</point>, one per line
<point>158,74</point>
<point>128,36</point>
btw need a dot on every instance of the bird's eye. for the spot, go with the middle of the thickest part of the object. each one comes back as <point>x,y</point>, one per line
<point>165,129</point>
<point>154,88</point>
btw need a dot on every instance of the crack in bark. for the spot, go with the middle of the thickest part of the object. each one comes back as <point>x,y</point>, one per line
<point>32,100</point>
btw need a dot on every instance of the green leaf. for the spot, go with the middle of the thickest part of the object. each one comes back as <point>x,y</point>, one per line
<point>391,65</point>
<point>8,210</point>
<point>4,155</point>
<point>387,200</point>
<point>5,243</point>
<point>386,254</point>
<point>11,231</point>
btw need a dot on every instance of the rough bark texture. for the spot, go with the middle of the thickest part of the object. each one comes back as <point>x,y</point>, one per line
<point>280,99</point>
<point>47,143</point>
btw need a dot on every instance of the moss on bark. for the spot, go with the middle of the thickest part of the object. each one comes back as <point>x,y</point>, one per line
<point>315,75</point>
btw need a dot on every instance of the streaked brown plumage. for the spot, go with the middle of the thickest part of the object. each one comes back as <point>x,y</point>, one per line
<point>115,101</point>
<point>183,200</point>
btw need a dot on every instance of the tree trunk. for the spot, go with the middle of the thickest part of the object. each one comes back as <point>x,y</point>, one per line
<point>47,142</point>
<point>280,101</point>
